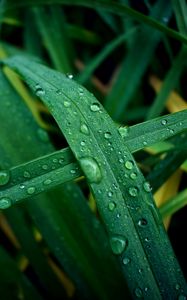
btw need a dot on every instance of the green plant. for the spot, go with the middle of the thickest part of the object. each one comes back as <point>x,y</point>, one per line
<point>101,234</point>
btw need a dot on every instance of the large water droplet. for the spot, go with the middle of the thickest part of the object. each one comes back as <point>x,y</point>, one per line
<point>107,135</point>
<point>91,168</point>
<point>126,260</point>
<point>111,206</point>
<point>43,135</point>
<point>138,292</point>
<point>31,190</point>
<point>123,131</point>
<point>147,187</point>
<point>118,244</point>
<point>4,177</point>
<point>95,107</point>
<point>5,203</point>
<point>129,164</point>
<point>133,191</point>
<point>39,91</point>
<point>84,129</point>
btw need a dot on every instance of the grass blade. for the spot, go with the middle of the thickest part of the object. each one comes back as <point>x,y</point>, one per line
<point>124,207</point>
<point>174,204</point>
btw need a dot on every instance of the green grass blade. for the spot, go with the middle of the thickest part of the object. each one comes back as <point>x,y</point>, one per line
<point>174,204</point>
<point>55,36</point>
<point>98,59</point>
<point>180,9</point>
<point>133,223</point>
<point>169,84</point>
<point>109,6</point>
<point>135,64</point>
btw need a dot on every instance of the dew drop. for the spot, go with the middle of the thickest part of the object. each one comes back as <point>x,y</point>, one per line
<point>55,160</point>
<point>110,194</point>
<point>70,76</point>
<point>43,135</point>
<point>142,222</point>
<point>61,161</point>
<point>67,103</point>
<point>133,191</point>
<point>45,167</point>
<point>22,186</point>
<point>164,122</point>
<point>31,190</point>
<point>39,91</point>
<point>81,92</point>
<point>145,143</point>
<point>129,165</point>
<point>133,175</point>
<point>177,286</point>
<point>147,187</point>
<point>111,206</point>
<point>123,131</point>
<point>83,143</point>
<point>5,203</point>
<point>72,171</point>
<point>138,292</point>
<point>126,260</point>
<point>118,244</point>
<point>4,177</point>
<point>95,107</point>
<point>171,131</point>
<point>58,92</point>
<point>84,129</point>
<point>26,174</point>
<point>47,181</point>
<point>107,135</point>
<point>91,168</point>
<point>121,160</point>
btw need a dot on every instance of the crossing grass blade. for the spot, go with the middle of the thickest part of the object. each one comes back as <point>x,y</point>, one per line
<point>133,223</point>
<point>174,204</point>
<point>58,219</point>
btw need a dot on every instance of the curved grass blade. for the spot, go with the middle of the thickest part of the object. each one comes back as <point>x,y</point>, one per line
<point>59,167</point>
<point>126,205</point>
<point>61,232</point>
<point>109,6</point>
<point>174,204</point>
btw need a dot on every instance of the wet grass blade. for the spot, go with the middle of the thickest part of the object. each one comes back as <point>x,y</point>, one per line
<point>134,226</point>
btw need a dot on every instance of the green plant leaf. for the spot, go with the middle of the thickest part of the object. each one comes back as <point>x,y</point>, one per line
<point>124,200</point>
<point>174,204</point>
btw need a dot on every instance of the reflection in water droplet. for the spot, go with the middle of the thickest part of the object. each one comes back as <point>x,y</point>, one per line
<point>123,131</point>
<point>4,177</point>
<point>147,187</point>
<point>118,244</point>
<point>95,107</point>
<point>138,292</point>
<point>111,206</point>
<point>91,168</point>
<point>126,260</point>
<point>31,190</point>
<point>5,203</point>
<point>133,191</point>
<point>129,164</point>
<point>84,129</point>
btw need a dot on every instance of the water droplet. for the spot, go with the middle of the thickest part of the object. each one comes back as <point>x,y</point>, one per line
<point>4,177</point>
<point>58,92</point>
<point>70,76</point>
<point>91,168</point>
<point>110,194</point>
<point>165,19</point>
<point>118,244</point>
<point>83,143</point>
<point>111,206</point>
<point>45,167</point>
<point>182,297</point>
<point>73,171</point>
<point>107,135</point>
<point>129,164</point>
<point>121,160</point>
<point>142,222</point>
<point>177,286</point>
<point>31,190</point>
<point>126,260</point>
<point>81,92</point>
<point>171,131</point>
<point>39,91</point>
<point>164,122</point>
<point>67,103</point>
<point>95,107</point>
<point>123,131</point>
<point>55,160</point>
<point>22,186</point>
<point>47,182</point>
<point>5,203</point>
<point>145,143</point>
<point>84,129</point>
<point>26,174</point>
<point>133,175</point>
<point>61,161</point>
<point>138,292</point>
<point>133,191</point>
<point>43,135</point>
<point>147,187</point>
